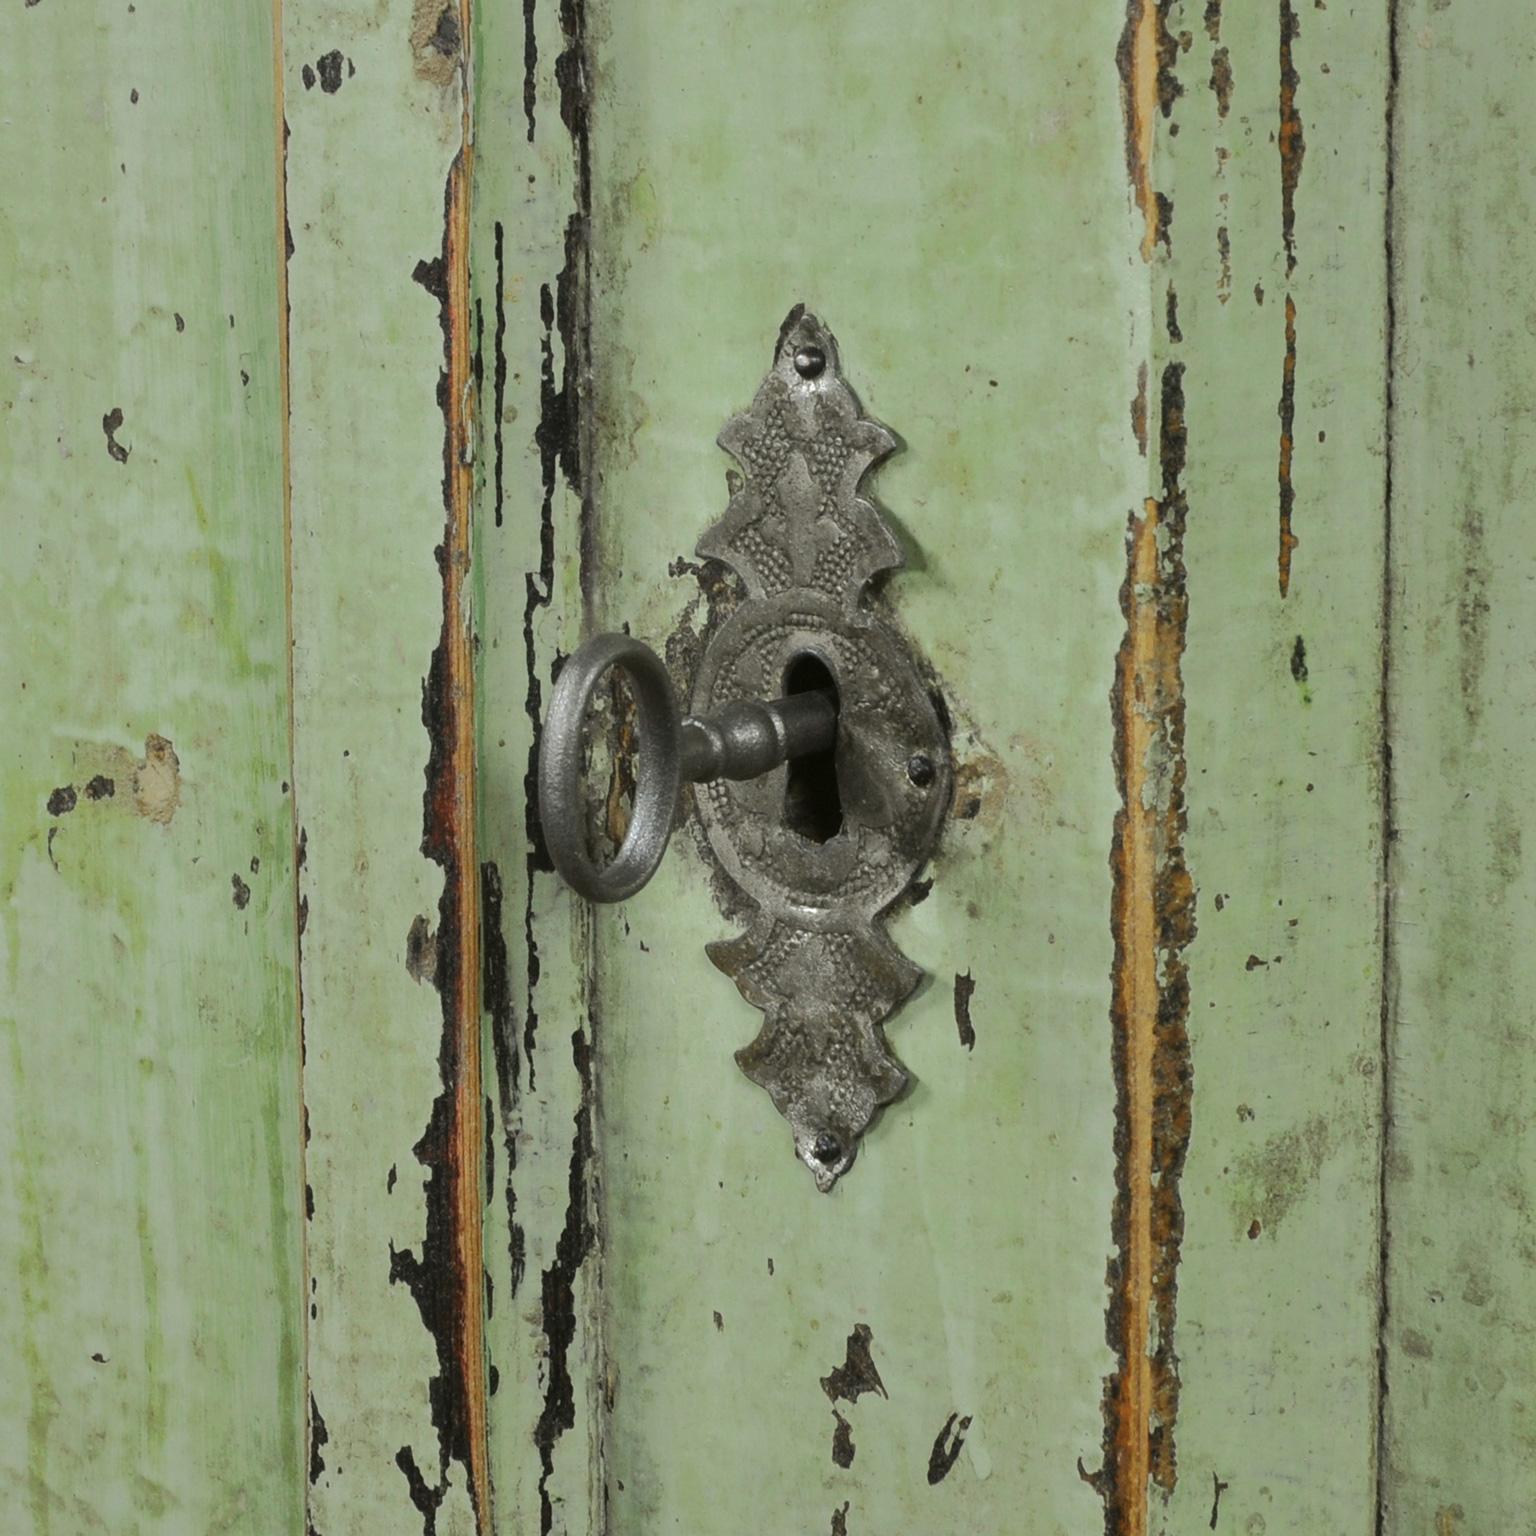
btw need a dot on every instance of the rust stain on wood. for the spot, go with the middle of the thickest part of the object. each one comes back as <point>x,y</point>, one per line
<point>1292,141</point>
<point>1221,81</point>
<point>1152,920</point>
<point>1287,410</point>
<point>1145,58</point>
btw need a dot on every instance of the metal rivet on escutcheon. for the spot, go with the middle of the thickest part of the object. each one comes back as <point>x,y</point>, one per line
<point>810,362</point>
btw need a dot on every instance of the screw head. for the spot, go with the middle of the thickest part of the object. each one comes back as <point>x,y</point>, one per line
<point>920,770</point>
<point>826,1150</point>
<point>810,362</point>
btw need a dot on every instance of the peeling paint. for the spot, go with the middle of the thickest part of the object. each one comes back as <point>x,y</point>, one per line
<point>1221,81</point>
<point>1145,58</point>
<point>1217,1489</point>
<point>447,1276</point>
<point>842,1441</point>
<point>530,64</point>
<point>1152,920</point>
<point>437,30</point>
<point>1292,140</point>
<point>421,951</point>
<point>111,425</point>
<point>156,781</point>
<point>858,1373</point>
<point>1299,672</point>
<point>319,1438</point>
<point>947,1445</point>
<point>496,995</point>
<point>499,372</point>
<point>965,990</point>
<point>329,71</point>
<point>1287,413</point>
<point>557,1291</point>
<point>560,439</point>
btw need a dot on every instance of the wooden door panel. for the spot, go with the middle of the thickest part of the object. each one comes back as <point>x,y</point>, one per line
<point>847,167</point>
<point>150,1186</point>
<point>1459,1156</point>
<point>363,358</point>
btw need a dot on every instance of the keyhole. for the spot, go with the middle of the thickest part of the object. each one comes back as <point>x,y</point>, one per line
<point>812,805</point>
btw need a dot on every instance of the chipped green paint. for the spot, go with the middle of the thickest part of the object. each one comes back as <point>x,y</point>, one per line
<point>1105,271</point>
<point>150,1192</point>
<point>1284,407</point>
<point>529,255</point>
<point>374,114</point>
<point>879,173</point>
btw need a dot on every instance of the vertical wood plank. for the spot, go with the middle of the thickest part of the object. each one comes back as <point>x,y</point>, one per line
<point>1267,294</point>
<point>531,228</point>
<point>1460,1373</point>
<point>945,188</point>
<point>381,402</point>
<point>151,1371</point>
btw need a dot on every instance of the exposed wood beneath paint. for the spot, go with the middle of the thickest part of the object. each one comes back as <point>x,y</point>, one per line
<point>155,878</point>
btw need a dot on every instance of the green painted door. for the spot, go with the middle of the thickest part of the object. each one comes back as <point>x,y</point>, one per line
<point>360,357</point>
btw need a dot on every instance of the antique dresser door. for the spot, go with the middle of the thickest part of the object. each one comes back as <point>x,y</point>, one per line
<point>1069,1071</point>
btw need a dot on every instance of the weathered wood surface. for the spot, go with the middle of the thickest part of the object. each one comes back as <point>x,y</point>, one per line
<point>1461,1158</point>
<point>1211,498</point>
<point>377,171</point>
<point>1053,366</point>
<point>831,158</point>
<point>1268,296</point>
<point>530,230</point>
<point>151,1326</point>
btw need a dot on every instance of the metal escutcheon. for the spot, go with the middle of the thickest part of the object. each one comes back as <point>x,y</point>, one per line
<point>811,859</point>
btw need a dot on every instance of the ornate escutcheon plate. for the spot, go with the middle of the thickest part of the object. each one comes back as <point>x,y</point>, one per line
<point>815,958</point>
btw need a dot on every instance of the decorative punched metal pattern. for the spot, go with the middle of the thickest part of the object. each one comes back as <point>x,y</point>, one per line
<point>815,958</point>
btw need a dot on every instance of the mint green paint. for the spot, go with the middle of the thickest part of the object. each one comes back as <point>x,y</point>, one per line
<point>151,1194</point>
<point>1462,1159</point>
<point>948,194</point>
<point>948,189</point>
<point>530,190</point>
<point>365,173</point>
<point>1277,1327</point>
